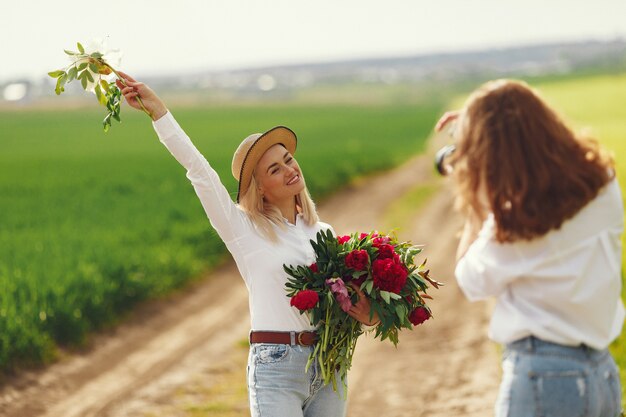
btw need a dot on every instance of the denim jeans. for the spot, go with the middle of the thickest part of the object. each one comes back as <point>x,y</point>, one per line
<point>542,379</point>
<point>278,385</point>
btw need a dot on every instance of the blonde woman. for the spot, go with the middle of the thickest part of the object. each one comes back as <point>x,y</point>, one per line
<point>543,236</point>
<point>269,225</point>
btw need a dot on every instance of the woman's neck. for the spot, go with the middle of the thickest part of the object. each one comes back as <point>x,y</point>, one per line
<point>288,209</point>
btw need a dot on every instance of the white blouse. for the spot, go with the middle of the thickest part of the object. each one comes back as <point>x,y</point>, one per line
<point>259,260</point>
<point>563,287</point>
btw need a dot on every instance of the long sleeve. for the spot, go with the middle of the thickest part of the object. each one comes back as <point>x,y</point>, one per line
<point>225,217</point>
<point>487,267</point>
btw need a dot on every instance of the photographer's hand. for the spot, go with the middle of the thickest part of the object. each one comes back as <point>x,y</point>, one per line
<point>447,118</point>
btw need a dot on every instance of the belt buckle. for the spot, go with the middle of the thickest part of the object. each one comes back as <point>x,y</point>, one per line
<point>299,339</point>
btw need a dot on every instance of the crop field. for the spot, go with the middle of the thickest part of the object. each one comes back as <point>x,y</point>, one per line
<point>93,223</point>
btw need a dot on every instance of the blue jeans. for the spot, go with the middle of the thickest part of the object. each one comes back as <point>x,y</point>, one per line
<point>542,379</point>
<point>278,385</point>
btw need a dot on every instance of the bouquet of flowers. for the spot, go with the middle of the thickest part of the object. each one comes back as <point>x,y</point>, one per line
<point>382,268</point>
<point>93,67</point>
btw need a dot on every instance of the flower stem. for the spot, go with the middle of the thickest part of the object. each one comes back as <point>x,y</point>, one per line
<point>124,82</point>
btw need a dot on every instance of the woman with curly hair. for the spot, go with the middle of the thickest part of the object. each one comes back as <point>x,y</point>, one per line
<point>544,219</point>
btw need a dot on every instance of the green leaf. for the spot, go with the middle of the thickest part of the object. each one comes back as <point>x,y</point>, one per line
<point>96,55</point>
<point>89,76</point>
<point>106,123</point>
<point>386,296</point>
<point>80,47</point>
<point>104,84</point>
<point>82,66</point>
<point>56,74</point>
<point>99,95</point>
<point>71,74</point>
<point>93,67</point>
<point>83,81</point>
<point>70,52</point>
<point>60,84</point>
<point>401,311</point>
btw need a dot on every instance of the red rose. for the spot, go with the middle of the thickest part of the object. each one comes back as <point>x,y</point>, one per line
<point>313,268</point>
<point>305,300</point>
<point>343,239</point>
<point>385,251</point>
<point>419,315</point>
<point>357,260</point>
<point>389,275</point>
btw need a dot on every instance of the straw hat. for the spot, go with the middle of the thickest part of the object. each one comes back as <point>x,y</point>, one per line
<point>252,149</point>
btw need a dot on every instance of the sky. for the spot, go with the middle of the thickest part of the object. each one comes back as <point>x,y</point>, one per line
<point>185,36</point>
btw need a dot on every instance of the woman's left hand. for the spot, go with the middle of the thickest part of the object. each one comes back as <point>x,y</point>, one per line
<point>361,310</point>
<point>447,118</point>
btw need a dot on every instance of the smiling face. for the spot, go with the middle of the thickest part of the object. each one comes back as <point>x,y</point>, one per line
<point>278,175</point>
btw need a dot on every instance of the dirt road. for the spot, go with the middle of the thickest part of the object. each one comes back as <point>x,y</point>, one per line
<point>443,368</point>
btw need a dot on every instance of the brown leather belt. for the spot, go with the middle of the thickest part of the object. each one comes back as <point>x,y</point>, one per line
<point>284,338</point>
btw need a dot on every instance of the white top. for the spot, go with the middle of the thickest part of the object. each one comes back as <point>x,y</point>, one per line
<point>563,287</point>
<point>259,260</point>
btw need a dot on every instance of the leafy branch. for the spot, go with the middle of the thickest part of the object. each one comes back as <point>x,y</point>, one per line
<point>89,69</point>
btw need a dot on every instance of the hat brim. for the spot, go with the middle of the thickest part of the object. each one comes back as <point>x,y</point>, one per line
<point>279,135</point>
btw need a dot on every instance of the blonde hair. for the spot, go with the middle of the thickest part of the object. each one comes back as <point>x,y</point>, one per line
<point>266,217</point>
<point>516,151</point>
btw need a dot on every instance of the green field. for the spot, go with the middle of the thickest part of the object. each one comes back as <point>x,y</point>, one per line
<point>93,223</point>
<point>599,103</point>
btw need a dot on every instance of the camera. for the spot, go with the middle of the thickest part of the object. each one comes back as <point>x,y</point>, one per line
<point>444,168</point>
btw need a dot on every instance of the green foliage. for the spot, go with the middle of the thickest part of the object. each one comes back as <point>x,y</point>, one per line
<point>90,226</point>
<point>113,98</point>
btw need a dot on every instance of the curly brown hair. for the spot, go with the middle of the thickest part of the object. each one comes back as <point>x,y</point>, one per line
<point>516,158</point>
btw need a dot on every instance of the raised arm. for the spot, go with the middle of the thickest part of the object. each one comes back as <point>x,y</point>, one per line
<point>227,219</point>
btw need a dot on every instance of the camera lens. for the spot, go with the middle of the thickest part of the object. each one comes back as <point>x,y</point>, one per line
<point>442,167</point>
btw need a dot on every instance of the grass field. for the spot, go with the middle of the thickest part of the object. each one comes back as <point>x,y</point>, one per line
<point>93,223</point>
<point>599,103</point>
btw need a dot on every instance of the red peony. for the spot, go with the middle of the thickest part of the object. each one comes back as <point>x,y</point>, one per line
<point>305,300</point>
<point>357,281</point>
<point>419,315</point>
<point>385,251</point>
<point>357,260</point>
<point>377,240</point>
<point>389,275</point>
<point>343,239</point>
<point>313,268</point>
